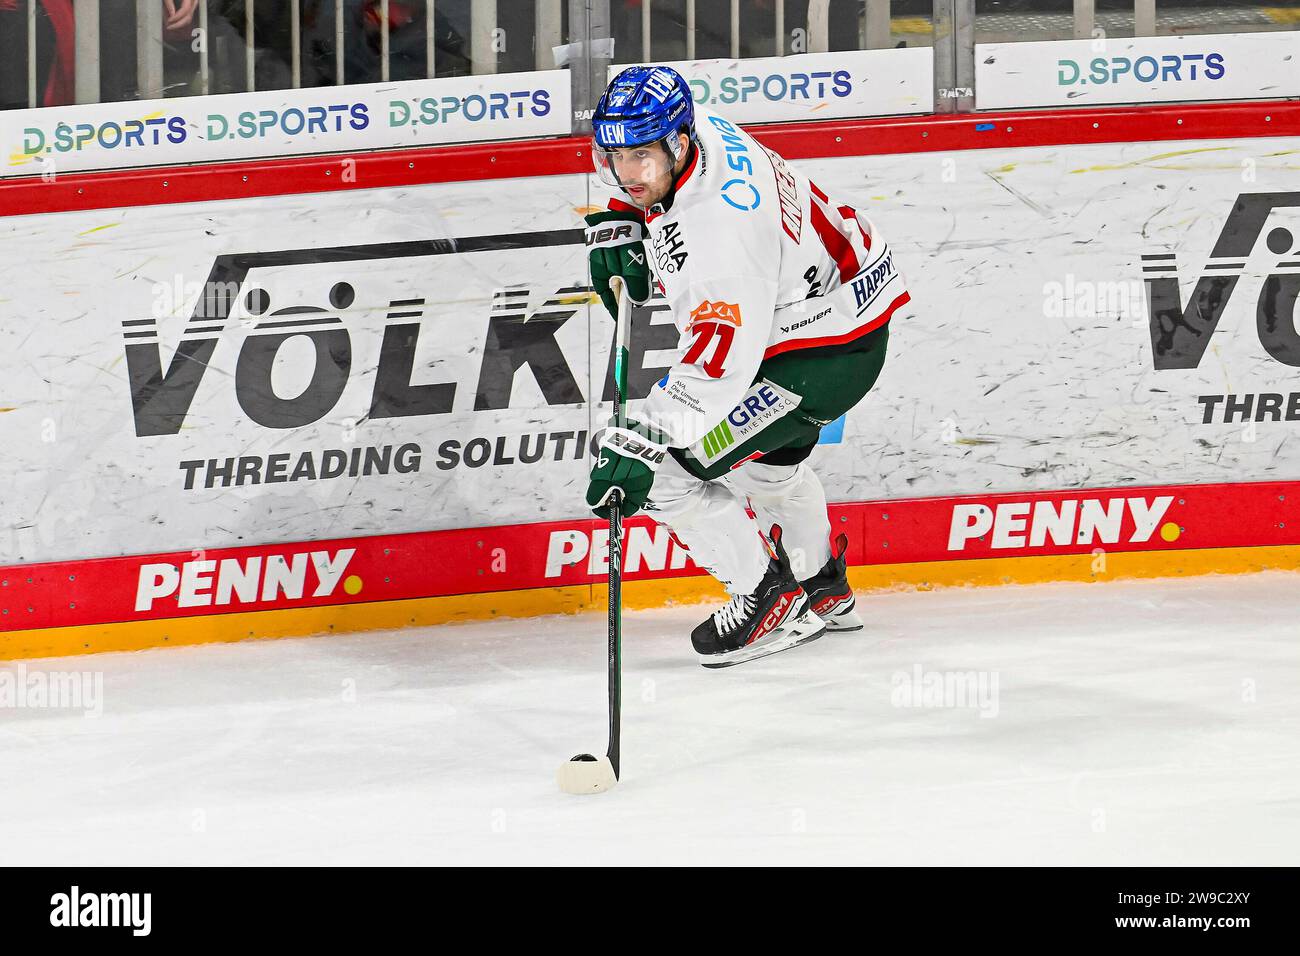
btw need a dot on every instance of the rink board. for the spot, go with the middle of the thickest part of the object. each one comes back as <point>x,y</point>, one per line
<point>302,374</point>
<point>438,577</point>
<point>311,120</point>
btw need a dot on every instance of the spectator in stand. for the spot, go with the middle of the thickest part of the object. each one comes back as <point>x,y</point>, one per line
<point>178,18</point>
<point>117,70</point>
<point>362,42</point>
<point>56,38</point>
<point>55,43</point>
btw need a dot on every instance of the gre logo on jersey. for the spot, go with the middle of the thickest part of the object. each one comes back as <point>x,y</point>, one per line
<point>763,404</point>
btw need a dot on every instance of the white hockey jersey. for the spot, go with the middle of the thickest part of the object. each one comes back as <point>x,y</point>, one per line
<point>754,261</point>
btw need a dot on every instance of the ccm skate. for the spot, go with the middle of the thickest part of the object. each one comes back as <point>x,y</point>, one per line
<point>829,592</point>
<point>775,617</point>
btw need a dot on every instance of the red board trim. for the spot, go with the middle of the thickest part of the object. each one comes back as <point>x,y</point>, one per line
<point>529,556</point>
<point>570,155</point>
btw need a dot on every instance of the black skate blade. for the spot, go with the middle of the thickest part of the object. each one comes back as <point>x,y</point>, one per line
<point>837,624</point>
<point>765,650</point>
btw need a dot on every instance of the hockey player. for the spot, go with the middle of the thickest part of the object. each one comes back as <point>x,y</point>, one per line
<point>782,296</point>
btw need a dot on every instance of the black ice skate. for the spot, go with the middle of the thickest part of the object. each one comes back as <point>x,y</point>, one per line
<point>775,617</point>
<point>829,593</point>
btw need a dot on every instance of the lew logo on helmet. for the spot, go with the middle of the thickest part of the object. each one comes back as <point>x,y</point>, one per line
<point>613,133</point>
<point>660,85</point>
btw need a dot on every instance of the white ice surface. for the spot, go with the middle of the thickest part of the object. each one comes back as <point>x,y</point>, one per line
<point>1137,723</point>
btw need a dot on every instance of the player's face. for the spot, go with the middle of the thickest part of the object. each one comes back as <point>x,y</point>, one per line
<point>644,172</point>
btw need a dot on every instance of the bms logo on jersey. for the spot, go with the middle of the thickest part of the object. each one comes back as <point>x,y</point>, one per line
<point>739,193</point>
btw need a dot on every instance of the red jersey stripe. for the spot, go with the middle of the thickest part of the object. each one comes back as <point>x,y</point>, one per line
<point>837,245</point>
<point>848,212</point>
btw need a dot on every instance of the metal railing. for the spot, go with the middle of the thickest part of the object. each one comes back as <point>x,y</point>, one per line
<point>244,45</point>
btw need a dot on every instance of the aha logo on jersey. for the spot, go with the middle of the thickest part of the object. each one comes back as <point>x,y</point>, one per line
<point>670,249</point>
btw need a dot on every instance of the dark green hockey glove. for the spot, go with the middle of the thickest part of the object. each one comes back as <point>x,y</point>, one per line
<point>616,247</point>
<point>627,461</point>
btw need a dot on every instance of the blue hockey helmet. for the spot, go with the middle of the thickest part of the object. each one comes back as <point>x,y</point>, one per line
<point>642,106</point>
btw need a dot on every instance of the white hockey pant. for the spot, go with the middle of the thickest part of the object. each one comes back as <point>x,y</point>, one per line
<point>709,517</point>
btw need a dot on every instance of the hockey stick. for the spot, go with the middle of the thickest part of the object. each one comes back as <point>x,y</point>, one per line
<point>585,773</point>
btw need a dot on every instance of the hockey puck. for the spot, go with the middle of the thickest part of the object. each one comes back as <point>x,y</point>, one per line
<point>586,774</point>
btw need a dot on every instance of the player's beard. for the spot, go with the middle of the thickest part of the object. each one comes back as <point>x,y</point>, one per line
<point>651,194</point>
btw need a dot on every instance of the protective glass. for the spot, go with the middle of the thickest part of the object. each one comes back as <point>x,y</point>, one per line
<point>632,165</point>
